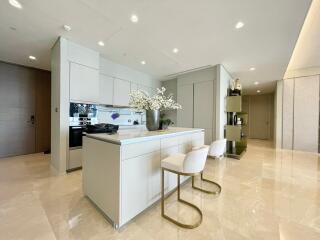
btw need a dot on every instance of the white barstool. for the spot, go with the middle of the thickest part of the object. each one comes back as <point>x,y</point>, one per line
<point>190,164</point>
<point>217,148</point>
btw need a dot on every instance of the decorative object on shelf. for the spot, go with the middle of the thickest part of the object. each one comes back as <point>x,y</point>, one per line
<point>235,87</point>
<point>164,122</point>
<point>153,105</point>
<point>115,115</point>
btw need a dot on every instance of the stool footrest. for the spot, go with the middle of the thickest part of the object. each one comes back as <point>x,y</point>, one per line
<point>204,190</point>
<point>190,226</point>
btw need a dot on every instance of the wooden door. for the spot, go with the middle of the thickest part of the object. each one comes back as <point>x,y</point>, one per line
<point>260,116</point>
<point>17,110</point>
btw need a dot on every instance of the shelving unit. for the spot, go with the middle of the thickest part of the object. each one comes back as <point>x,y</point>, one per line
<point>236,140</point>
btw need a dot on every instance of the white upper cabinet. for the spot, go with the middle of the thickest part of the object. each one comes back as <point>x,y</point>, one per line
<point>83,55</point>
<point>106,90</point>
<point>146,89</point>
<point>121,91</point>
<point>84,84</point>
<point>134,86</point>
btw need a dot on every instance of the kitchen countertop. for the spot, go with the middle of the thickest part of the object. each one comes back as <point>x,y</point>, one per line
<point>141,134</point>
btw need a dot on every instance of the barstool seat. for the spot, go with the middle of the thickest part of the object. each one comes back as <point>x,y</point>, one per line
<point>174,162</point>
<point>190,164</point>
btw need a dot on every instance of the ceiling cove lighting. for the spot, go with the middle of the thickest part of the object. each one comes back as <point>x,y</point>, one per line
<point>239,25</point>
<point>134,18</point>
<point>175,50</point>
<point>258,91</point>
<point>33,58</point>
<point>256,83</point>
<point>143,62</point>
<point>252,69</point>
<point>15,4</point>
<point>67,28</point>
<point>101,43</point>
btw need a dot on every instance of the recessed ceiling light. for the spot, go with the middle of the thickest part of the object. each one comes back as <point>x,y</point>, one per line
<point>175,50</point>
<point>143,62</point>
<point>32,58</point>
<point>252,69</point>
<point>101,43</point>
<point>67,28</point>
<point>256,83</point>
<point>15,4</point>
<point>258,91</point>
<point>239,25</point>
<point>134,18</point>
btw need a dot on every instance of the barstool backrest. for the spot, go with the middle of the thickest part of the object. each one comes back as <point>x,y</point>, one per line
<point>195,160</point>
<point>217,148</point>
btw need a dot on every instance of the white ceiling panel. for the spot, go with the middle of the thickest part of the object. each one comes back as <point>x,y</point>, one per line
<point>202,30</point>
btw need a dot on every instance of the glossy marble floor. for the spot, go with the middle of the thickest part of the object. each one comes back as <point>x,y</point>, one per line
<point>268,194</point>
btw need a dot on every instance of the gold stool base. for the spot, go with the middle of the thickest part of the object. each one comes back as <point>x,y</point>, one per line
<point>180,224</point>
<point>204,190</point>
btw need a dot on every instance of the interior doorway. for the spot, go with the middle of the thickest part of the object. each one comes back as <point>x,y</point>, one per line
<point>261,116</point>
<point>24,110</point>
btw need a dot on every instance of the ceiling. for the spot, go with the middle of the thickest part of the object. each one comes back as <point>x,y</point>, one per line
<point>203,31</point>
<point>306,54</point>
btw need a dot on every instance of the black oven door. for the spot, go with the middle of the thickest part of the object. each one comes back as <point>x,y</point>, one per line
<point>75,136</point>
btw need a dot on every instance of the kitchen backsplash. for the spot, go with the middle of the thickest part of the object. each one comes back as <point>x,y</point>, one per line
<point>104,114</point>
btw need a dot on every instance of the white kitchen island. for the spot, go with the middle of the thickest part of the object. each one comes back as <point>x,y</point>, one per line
<point>121,172</point>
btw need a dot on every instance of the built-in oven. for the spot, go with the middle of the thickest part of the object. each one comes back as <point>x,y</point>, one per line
<point>75,148</point>
<point>75,136</point>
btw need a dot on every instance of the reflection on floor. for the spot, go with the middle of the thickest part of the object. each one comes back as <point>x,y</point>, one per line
<point>268,194</point>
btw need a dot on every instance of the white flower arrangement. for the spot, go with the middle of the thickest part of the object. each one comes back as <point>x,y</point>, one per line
<point>142,101</point>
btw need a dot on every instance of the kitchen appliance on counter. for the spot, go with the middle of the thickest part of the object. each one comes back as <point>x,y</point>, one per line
<point>102,128</point>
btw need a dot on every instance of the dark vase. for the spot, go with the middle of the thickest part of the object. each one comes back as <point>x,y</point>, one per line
<point>153,119</point>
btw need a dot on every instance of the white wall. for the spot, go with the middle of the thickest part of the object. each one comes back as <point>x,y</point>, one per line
<point>278,115</point>
<point>297,113</point>
<point>222,84</point>
<point>213,101</point>
<point>189,84</point>
<point>59,105</point>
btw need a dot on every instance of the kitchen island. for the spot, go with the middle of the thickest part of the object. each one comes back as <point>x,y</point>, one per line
<point>122,173</point>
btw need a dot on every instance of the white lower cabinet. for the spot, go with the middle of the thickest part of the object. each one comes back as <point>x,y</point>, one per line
<point>84,83</point>
<point>124,180</point>
<point>121,91</point>
<point>140,183</point>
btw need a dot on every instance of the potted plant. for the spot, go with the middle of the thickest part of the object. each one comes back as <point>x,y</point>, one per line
<point>164,122</point>
<point>153,105</point>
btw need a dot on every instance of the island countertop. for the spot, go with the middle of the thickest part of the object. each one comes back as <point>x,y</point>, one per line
<point>129,136</point>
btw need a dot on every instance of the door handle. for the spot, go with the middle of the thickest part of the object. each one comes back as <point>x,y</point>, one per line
<point>32,120</point>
